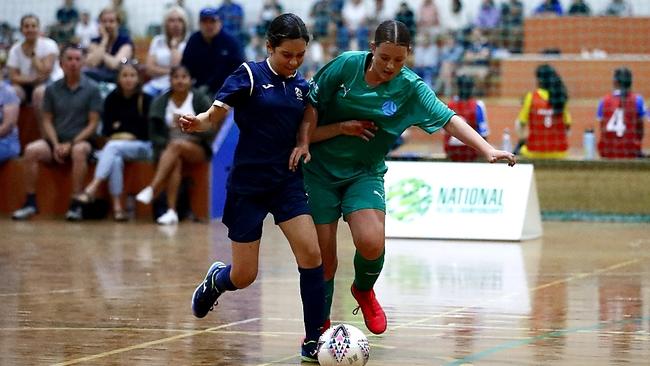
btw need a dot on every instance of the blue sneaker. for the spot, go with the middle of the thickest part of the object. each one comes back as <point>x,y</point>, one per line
<point>206,293</point>
<point>309,351</point>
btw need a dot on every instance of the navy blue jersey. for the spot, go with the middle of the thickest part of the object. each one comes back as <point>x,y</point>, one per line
<point>268,111</point>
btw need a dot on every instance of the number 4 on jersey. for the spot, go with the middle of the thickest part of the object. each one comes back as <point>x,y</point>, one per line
<point>616,123</point>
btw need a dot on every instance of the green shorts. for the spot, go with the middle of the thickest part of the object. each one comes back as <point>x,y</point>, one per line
<point>328,201</point>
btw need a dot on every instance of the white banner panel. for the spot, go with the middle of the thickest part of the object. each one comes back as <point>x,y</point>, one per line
<point>434,200</point>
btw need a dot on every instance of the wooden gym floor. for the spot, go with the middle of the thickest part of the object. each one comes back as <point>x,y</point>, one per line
<point>100,293</point>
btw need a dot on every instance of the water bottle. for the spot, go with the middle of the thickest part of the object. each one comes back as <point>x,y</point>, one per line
<point>589,144</point>
<point>506,142</point>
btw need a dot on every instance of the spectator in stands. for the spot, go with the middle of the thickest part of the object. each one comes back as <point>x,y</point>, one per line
<point>488,16</point>
<point>321,17</point>
<point>174,149</point>
<point>85,30</point>
<point>458,19</point>
<point>476,58</point>
<point>549,8</point>
<point>355,15</point>
<point>67,17</point>
<point>451,54</point>
<point>512,24</point>
<point>232,19</point>
<point>621,116</point>
<point>166,50</point>
<point>270,10</point>
<point>619,8</point>
<point>9,106</point>
<point>211,55</point>
<point>544,119</point>
<point>429,18</point>
<point>107,51</point>
<point>125,124</point>
<point>473,110</point>
<point>122,17</point>
<point>377,13</point>
<point>188,13</point>
<point>512,13</point>
<point>579,8</point>
<point>32,63</point>
<point>426,58</point>
<point>71,109</point>
<point>405,15</point>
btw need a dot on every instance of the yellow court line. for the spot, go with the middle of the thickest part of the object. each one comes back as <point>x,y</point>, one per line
<point>151,343</point>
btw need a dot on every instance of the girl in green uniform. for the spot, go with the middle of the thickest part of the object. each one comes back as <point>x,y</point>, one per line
<point>362,102</point>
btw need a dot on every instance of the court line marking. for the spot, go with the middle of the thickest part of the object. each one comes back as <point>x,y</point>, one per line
<point>152,343</point>
<point>522,342</point>
<point>514,344</point>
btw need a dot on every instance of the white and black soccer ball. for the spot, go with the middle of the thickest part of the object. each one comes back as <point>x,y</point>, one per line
<point>343,344</point>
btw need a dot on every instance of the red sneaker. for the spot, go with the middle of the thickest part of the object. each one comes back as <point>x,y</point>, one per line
<point>373,314</point>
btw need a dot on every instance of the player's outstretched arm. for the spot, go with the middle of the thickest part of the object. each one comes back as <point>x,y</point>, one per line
<point>305,130</point>
<point>458,128</point>
<point>210,119</point>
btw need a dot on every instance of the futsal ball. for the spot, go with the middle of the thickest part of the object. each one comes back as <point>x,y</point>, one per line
<point>343,344</point>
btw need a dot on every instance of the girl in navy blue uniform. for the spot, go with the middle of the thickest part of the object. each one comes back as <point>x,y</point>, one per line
<point>269,99</point>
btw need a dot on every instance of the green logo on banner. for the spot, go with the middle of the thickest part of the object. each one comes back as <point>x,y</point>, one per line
<point>408,199</point>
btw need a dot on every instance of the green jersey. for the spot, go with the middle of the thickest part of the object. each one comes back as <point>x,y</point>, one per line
<point>339,92</point>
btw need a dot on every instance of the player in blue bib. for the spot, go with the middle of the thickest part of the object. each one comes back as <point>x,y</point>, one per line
<point>269,98</point>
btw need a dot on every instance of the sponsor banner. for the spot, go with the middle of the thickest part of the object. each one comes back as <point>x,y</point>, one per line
<point>461,201</point>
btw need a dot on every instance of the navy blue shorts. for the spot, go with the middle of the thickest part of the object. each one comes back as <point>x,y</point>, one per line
<point>244,213</point>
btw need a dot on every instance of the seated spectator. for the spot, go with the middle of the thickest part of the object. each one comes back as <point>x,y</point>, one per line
<point>425,58</point>
<point>488,16</point>
<point>172,148</point>
<point>166,51</point>
<point>579,8</point>
<point>619,8</point>
<point>512,26</point>
<point>429,18</point>
<point>451,54</point>
<point>122,17</point>
<point>211,54</point>
<point>71,109</point>
<point>107,51</point>
<point>321,17</point>
<point>549,8</point>
<point>473,110</point>
<point>9,106</point>
<point>126,125</point>
<point>476,59</point>
<point>621,116</point>
<point>457,19</point>
<point>544,119</point>
<point>232,19</point>
<point>67,17</point>
<point>32,63</point>
<point>85,30</point>
<point>405,15</point>
<point>270,10</point>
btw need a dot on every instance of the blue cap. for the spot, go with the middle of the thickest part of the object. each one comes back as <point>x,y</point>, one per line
<point>208,13</point>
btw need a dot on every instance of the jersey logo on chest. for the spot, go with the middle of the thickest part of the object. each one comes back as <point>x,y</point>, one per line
<point>266,86</point>
<point>298,93</point>
<point>389,108</point>
<point>345,90</point>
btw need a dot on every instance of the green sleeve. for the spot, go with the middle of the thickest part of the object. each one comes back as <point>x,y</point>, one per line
<point>430,113</point>
<point>325,83</point>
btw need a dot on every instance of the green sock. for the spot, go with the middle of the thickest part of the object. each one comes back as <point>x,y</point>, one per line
<point>329,294</point>
<point>367,271</point>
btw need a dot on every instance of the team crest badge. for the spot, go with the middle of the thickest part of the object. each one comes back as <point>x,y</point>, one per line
<point>298,93</point>
<point>389,108</point>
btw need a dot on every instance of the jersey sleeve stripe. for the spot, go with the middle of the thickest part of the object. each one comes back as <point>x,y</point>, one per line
<point>221,104</point>
<point>250,76</point>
